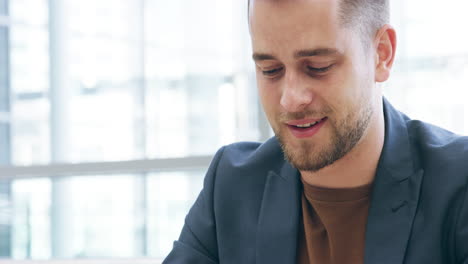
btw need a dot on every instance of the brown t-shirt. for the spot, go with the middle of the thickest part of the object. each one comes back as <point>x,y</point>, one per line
<point>334,222</point>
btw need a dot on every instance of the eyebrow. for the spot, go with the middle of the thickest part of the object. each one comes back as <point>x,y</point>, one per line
<point>315,52</point>
<point>262,57</point>
<point>298,54</point>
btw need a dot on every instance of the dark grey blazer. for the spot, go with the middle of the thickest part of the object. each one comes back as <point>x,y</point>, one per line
<point>249,208</point>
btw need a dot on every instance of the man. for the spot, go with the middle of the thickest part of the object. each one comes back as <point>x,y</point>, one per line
<point>347,178</point>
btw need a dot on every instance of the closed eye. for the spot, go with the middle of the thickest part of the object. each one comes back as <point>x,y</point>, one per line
<point>272,72</point>
<point>320,70</point>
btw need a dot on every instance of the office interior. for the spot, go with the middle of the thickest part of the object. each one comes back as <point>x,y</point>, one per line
<point>111,110</point>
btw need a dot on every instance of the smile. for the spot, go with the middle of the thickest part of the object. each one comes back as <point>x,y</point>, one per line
<point>308,125</point>
<point>306,128</point>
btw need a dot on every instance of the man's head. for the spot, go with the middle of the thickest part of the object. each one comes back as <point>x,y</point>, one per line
<point>317,64</point>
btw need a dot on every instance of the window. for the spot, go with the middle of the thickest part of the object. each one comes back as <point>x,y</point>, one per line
<point>127,215</point>
<point>430,76</point>
<point>116,109</point>
<point>3,7</point>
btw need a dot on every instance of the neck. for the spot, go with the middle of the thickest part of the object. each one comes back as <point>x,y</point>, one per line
<point>357,167</point>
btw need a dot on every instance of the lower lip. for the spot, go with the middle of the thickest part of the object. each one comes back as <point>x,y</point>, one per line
<point>306,132</point>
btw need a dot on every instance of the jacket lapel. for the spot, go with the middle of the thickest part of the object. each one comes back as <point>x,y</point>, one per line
<point>395,194</point>
<point>279,217</point>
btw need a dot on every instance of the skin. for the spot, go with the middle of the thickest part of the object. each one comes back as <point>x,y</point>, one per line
<point>308,66</point>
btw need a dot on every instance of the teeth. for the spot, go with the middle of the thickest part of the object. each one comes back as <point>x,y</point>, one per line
<point>307,125</point>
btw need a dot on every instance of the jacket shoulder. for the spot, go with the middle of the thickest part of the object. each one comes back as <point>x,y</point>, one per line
<point>435,140</point>
<point>245,155</point>
<point>439,149</point>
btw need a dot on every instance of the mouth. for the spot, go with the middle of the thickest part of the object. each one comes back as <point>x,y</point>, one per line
<point>306,128</point>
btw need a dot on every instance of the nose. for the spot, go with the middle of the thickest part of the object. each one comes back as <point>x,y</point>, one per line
<point>296,93</point>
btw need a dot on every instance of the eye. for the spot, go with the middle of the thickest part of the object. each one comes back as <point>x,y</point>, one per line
<point>319,70</point>
<point>272,72</point>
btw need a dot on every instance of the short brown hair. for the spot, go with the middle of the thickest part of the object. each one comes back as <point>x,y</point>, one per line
<point>368,16</point>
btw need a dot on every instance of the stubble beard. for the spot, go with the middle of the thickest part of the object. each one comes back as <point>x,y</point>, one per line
<point>344,136</point>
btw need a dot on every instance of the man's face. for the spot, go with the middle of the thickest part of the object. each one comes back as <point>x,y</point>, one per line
<point>315,79</point>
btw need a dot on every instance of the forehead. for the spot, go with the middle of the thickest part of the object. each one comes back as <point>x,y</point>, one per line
<point>277,25</point>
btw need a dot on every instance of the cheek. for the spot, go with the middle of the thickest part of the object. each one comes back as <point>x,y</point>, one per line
<point>344,94</point>
<point>268,95</point>
<point>354,84</point>
<point>270,101</point>
<point>338,90</point>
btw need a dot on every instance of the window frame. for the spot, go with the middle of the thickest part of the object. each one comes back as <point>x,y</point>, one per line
<point>5,130</point>
<point>57,170</point>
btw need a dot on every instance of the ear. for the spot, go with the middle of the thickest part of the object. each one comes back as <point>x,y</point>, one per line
<point>385,43</point>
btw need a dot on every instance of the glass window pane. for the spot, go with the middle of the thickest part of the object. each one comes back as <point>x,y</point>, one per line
<point>170,196</point>
<point>199,92</point>
<point>30,130</point>
<point>31,218</point>
<point>3,7</point>
<point>5,157</point>
<point>74,217</point>
<point>101,216</point>
<point>29,82</point>
<point>29,59</point>
<point>4,70</point>
<point>129,93</point>
<point>431,69</point>
<point>29,12</point>
<point>5,219</point>
<point>106,99</point>
<point>29,75</point>
<point>102,127</point>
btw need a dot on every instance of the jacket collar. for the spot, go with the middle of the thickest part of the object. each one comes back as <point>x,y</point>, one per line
<point>393,202</point>
<point>279,217</point>
<point>395,194</point>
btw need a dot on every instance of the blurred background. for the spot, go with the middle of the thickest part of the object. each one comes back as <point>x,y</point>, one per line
<point>111,110</point>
